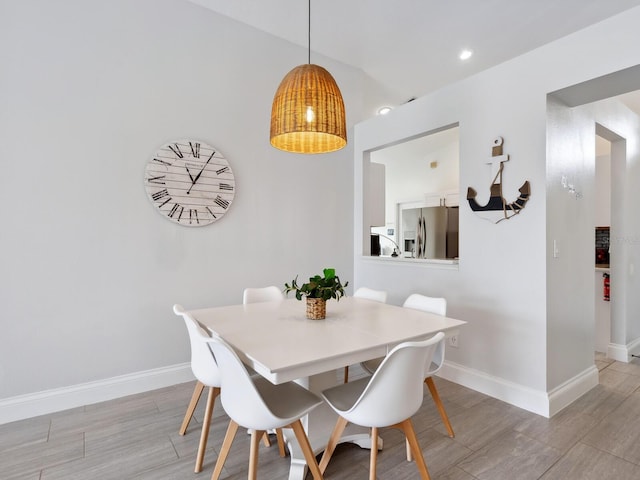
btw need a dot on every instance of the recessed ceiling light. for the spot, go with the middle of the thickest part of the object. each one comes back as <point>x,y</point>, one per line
<point>384,110</point>
<point>465,54</point>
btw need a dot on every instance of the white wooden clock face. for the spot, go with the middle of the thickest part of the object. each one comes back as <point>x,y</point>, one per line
<point>190,183</point>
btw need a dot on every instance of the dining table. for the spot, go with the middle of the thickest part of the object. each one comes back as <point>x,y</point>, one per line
<point>277,341</point>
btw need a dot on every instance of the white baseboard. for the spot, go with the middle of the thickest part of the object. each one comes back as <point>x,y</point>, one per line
<point>565,394</point>
<point>622,353</point>
<point>634,347</point>
<point>536,401</point>
<point>57,399</point>
<point>616,351</point>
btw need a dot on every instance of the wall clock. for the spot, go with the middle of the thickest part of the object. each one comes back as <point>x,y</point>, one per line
<point>190,183</point>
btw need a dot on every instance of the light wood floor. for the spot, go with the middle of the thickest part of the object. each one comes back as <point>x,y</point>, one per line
<point>597,437</point>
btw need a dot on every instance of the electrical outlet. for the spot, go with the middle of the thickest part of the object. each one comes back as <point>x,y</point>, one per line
<point>453,341</point>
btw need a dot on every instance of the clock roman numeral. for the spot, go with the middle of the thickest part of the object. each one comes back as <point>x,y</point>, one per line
<point>226,186</point>
<point>162,161</point>
<point>176,209</point>
<point>222,202</point>
<point>195,149</point>
<point>160,194</point>
<point>222,170</point>
<point>212,214</point>
<point>156,180</point>
<point>176,149</point>
<point>193,216</point>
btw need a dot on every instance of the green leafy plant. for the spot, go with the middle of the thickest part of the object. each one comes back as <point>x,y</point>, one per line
<point>326,287</point>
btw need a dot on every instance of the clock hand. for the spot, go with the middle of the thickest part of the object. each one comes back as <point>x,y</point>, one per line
<point>193,182</point>
<point>190,176</point>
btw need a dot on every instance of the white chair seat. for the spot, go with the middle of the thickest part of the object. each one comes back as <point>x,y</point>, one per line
<point>343,397</point>
<point>286,401</point>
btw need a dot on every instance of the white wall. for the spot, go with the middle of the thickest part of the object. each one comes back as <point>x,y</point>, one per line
<point>88,91</point>
<point>515,346</point>
<point>602,213</point>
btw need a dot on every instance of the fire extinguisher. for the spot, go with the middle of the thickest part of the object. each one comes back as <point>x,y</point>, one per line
<point>605,287</point>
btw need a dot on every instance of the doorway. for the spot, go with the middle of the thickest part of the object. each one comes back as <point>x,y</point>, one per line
<point>602,235</point>
<point>618,346</point>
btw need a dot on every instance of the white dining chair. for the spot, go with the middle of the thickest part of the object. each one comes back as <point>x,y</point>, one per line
<point>369,294</point>
<point>249,295</point>
<point>207,374</point>
<point>258,295</point>
<point>438,306</point>
<point>259,405</point>
<point>206,371</point>
<point>261,294</point>
<point>389,398</point>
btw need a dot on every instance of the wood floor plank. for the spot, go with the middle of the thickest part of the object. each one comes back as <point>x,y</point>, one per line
<point>583,462</point>
<point>136,437</point>
<point>116,464</point>
<point>33,457</point>
<point>560,432</point>
<point>620,433</point>
<point>512,452</point>
<point>19,434</point>
<point>619,381</point>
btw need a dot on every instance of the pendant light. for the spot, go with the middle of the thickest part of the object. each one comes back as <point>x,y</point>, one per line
<point>307,115</point>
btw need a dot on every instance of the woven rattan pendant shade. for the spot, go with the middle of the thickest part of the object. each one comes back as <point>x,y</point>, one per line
<point>308,114</point>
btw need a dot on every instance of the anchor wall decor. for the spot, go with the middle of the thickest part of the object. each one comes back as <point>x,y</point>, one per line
<point>497,208</point>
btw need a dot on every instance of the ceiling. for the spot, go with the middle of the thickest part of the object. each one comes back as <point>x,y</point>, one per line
<point>411,47</point>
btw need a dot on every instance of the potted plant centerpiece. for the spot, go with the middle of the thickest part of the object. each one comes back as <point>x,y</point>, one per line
<point>318,290</point>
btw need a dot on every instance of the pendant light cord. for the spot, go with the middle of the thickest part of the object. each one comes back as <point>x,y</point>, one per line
<point>309,35</point>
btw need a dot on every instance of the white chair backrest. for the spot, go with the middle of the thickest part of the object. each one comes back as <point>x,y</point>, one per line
<point>369,294</point>
<point>263,294</point>
<point>437,305</point>
<point>203,365</point>
<point>395,391</point>
<point>240,398</point>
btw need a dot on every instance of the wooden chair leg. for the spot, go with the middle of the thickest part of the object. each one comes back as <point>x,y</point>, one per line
<point>224,451</point>
<point>265,439</point>
<point>206,423</point>
<point>407,428</point>
<point>346,374</point>
<point>253,454</point>
<point>439,405</point>
<point>303,440</point>
<point>280,439</point>
<point>333,441</point>
<point>195,397</point>
<point>373,459</point>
